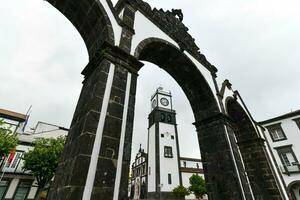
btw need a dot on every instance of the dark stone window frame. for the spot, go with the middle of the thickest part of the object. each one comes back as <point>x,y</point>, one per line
<point>168,152</point>
<point>287,149</point>
<point>297,121</point>
<point>274,127</point>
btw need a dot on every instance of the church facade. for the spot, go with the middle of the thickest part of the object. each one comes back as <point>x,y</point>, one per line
<point>156,173</point>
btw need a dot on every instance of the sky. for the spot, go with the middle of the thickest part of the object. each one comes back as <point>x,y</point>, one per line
<point>253,43</point>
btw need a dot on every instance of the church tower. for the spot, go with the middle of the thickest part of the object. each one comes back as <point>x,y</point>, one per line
<point>163,148</point>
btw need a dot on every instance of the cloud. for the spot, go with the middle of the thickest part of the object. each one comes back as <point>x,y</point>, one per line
<point>255,44</point>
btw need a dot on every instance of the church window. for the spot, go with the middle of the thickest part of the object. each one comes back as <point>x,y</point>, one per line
<point>169,118</point>
<point>169,179</point>
<point>162,117</point>
<point>276,132</point>
<point>168,152</point>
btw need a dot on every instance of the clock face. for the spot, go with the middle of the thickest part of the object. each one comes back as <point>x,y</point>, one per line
<point>164,101</point>
<point>153,103</point>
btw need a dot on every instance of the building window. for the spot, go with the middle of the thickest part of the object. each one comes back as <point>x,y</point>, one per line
<point>276,132</point>
<point>288,159</point>
<point>168,152</point>
<point>169,179</point>
<point>297,122</point>
<point>22,190</point>
<point>162,135</point>
<point>3,188</point>
<point>172,137</point>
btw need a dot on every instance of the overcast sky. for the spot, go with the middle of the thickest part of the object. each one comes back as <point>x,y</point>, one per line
<point>254,43</point>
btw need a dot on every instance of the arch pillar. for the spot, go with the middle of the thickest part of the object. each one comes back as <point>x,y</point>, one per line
<point>222,165</point>
<point>96,159</point>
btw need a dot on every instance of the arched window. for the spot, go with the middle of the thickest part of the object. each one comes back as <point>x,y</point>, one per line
<point>162,117</point>
<point>169,118</point>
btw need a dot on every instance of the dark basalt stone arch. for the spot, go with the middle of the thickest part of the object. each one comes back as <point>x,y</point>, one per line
<point>252,150</point>
<point>216,156</point>
<point>184,71</point>
<point>90,19</point>
<point>291,187</point>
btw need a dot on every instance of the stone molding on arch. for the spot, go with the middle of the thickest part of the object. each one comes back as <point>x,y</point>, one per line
<point>90,19</point>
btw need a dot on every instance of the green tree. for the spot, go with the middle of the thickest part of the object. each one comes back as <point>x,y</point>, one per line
<point>43,160</point>
<point>197,186</point>
<point>180,191</point>
<point>8,141</point>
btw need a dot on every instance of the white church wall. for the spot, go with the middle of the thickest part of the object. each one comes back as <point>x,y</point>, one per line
<point>168,165</point>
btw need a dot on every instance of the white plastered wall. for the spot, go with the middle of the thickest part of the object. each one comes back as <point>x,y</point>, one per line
<point>117,29</point>
<point>168,165</point>
<point>292,133</point>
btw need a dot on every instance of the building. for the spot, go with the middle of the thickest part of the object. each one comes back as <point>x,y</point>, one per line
<point>138,183</point>
<point>282,134</point>
<point>15,183</point>
<point>156,173</point>
<point>188,167</point>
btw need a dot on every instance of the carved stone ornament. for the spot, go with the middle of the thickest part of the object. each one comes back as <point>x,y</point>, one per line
<point>171,23</point>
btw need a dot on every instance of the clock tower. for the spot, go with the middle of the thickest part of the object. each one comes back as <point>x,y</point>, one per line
<point>163,148</point>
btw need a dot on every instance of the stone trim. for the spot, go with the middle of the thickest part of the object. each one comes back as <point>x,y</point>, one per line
<point>174,28</point>
<point>191,170</point>
<point>115,55</point>
<point>190,159</point>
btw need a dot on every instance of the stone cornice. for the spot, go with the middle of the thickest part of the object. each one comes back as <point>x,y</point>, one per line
<point>116,56</point>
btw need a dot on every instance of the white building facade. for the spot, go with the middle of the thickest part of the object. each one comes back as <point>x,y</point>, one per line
<point>283,138</point>
<point>188,167</point>
<point>163,151</point>
<point>165,169</point>
<point>15,183</point>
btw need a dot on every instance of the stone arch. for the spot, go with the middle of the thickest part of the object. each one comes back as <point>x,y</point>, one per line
<point>90,19</point>
<point>291,187</point>
<point>252,149</point>
<point>170,58</point>
<point>210,122</point>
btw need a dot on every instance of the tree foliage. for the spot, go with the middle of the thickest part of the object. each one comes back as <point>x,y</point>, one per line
<point>197,186</point>
<point>180,191</point>
<point>8,141</point>
<point>43,160</point>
